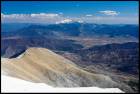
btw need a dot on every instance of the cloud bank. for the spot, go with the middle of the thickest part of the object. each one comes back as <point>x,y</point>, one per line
<point>53,18</point>
<point>89,15</point>
<point>32,18</point>
<point>110,13</point>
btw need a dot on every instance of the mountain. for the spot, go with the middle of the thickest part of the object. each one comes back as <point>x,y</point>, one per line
<point>63,36</point>
<point>10,27</point>
<point>119,57</point>
<point>44,66</point>
<point>10,50</point>
<point>111,50</point>
<point>120,61</point>
<point>75,29</point>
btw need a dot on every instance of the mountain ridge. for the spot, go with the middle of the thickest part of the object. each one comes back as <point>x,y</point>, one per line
<point>78,29</point>
<point>55,67</point>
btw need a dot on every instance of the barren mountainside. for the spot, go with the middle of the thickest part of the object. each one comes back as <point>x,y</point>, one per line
<point>95,54</point>
<point>42,65</point>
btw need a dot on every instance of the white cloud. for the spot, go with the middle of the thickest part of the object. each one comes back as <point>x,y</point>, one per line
<point>89,15</point>
<point>110,12</point>
<point>2,14</point>
<point>60,13</point>
<point>65,21</point>
<point>31,18</point>
<point>49,15</point>
<point>44,15</point>
<point>80,21</point>
<point>52,18</point>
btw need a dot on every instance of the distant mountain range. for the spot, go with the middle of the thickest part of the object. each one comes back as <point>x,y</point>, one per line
<point>69,29</point>
<point>111,50</point>
<point>119,57</point>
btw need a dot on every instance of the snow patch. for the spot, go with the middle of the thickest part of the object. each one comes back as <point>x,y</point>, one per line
<point>10,84</point>
<point>20,56</point>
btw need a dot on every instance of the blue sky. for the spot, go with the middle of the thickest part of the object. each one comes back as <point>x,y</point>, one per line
<point>74,10</point>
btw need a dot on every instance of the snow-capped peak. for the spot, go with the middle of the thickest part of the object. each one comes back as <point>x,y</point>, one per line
<point>65,21</point>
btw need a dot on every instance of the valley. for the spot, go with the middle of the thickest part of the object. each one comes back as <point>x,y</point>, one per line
<point>112,54</point>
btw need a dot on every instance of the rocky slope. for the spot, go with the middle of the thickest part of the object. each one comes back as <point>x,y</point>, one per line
<point>121,57</point>
<point>43,66</point>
